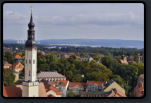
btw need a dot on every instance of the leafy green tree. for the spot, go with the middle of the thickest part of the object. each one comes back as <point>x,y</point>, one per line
<point>116,53</point>
<point>121,81</point>
<point>9,57</point>
<point>69,75</point>
<point>107,54</point>
<point>8,77</point>
<point>4,58</point>
<point>109,62</point>
<point>77,78</point>
<point>72,94</point>
<point>136,58</point>
<point>97,57</point>
<point>22,62</point>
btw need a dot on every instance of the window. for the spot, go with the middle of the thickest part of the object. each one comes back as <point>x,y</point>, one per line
<point>33,61</point>
<point>29,73</point>
<point>29,61</point>
<point>26,61</point>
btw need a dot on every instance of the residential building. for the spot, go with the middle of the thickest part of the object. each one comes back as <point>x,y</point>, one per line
<point>94,85</point>
<point>108,86</point>
<point>114,93</point>
<point>18,67</point>
<point>18,58</point>
<point>16,76</point>
<point>51,76</point>
<point>6,64</point>
<point>139,89</point>
<point>62,85</point>
<point>77,87</point>
<point>51,90</point>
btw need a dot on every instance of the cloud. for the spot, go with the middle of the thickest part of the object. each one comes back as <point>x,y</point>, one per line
<point>80,20</point>
<point>13,17</point>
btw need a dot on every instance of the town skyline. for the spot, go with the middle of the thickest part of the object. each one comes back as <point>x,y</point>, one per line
<point>75,21</point>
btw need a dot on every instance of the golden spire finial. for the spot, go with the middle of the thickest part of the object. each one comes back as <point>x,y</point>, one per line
<point>31,8</point>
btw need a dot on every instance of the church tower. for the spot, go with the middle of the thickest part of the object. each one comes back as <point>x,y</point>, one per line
<point>30,86</point>
<point>122,57</point>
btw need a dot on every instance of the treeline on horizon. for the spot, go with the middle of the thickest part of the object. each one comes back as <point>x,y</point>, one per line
<point>67,49</point>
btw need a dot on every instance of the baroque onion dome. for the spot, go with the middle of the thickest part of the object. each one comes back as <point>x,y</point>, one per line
<point>31,43</point>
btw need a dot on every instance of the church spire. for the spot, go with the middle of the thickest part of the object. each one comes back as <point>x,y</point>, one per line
<point>122,54</point>
<point>30,43</point>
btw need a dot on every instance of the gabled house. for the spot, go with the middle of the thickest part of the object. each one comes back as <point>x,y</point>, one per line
<point>77,87</point>
<point>114,93</point>
<point>123,61</point>
<point>18,67</point>
<point>51,90</point>
<point>18,58</point>
<point>139,89</point>
<point>6,65</point>
<point>62,85</point>
<point>94,85</point>
<point>108,86</point>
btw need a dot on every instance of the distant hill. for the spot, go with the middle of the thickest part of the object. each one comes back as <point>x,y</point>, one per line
<point>90,42</point>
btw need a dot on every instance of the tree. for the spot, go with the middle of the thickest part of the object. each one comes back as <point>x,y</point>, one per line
<point>121,81</point>
<point>116,53</point>
<point>72,94</point>
<point>9,57</point>
<point>97,57</point>
<point>107,54</point>
<point>136,58</point>
<point>109,62</point>
<point>4,58</point>
<point>77,78</point>
<point>69,75</point>
<point>8,77</point>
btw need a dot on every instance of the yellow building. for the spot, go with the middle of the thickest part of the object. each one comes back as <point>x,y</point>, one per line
<point>16,76</point>
<point>18,67</point>
<point>112,85</point>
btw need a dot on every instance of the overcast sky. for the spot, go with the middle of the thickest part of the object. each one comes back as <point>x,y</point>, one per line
<point>75,21</point>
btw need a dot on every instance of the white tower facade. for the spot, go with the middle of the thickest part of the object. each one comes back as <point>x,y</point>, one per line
<point>30,85</point>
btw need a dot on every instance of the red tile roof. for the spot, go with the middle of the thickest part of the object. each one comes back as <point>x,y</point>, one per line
<point>18,56</point>
<point>4,91</point>
<point>64,82</point>
<point>16,91</point>
<point>6,64</point>
<point>72,84</point>
<point>49,87</point>
<point>115,93</point>
<point>18,65</point>
<point>97,83</point>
